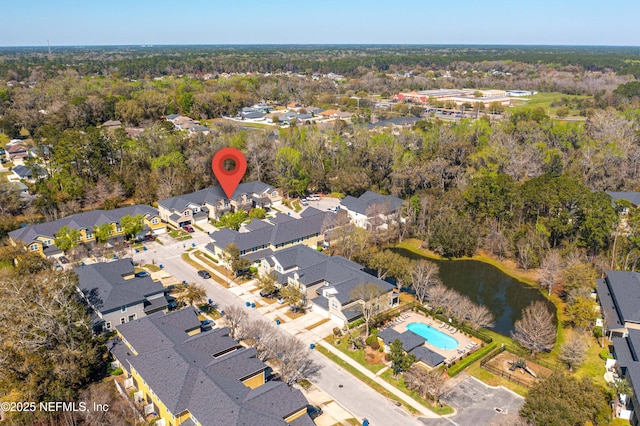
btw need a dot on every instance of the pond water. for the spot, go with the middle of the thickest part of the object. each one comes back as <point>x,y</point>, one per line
<point>485,284</point>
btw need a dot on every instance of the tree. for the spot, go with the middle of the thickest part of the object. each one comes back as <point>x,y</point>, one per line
<point>367,296</point>
<point>294,362</point>
<point>574,351</point>
<point>236,318</point>
<point>425,274</point>
<point>479,316</point>
<point>232,220</point>
<point>268,282</point>
<point>426,383</point>
<point>549,269</point>
<point>232,257</point>
<point>296,298</point>
<point>192,294</point>
<point>103,232</point>
<point>581,313</point>
<point>132,225</point>
<point>562,400</point>
<point>535,330</point>
<point>66,238</point>
<point>48,352</point>
<point>400,361</point>
<point>390,264</point>
<point>579,275</point>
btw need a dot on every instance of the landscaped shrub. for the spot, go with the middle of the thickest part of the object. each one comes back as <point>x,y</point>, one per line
<point>464,363</point>
<point>337,332</point>
<point>371,339</point>
<point>375,345</point>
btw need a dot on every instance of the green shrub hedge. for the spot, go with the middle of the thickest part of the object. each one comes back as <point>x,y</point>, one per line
<point>465,362</point>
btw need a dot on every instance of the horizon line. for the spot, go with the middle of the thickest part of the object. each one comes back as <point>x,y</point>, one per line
<point>46,46</point>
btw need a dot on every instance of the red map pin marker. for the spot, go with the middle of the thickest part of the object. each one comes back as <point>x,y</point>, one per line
<point>229,165</point>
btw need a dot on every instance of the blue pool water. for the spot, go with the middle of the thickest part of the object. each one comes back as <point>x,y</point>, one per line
<point>434,336</point>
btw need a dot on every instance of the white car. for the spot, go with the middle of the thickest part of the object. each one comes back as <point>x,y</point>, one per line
<point>313,198</point>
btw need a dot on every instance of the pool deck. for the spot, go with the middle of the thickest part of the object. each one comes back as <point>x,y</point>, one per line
<point>449,354</point>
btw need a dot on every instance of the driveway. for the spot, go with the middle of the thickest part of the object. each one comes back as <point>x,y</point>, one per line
<point>477,403</point>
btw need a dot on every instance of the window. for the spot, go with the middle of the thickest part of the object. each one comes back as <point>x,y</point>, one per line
<point>274,194</point>
<point>34,247</point>
<point>122,320</point>
<point>187,213</point>
<point>154,221</point>
<point>334,304</point>
<point>118,228</point>
<point>108,325</point>
<point>89,235</point>
<point>132,317</point>
<point>123,308</point>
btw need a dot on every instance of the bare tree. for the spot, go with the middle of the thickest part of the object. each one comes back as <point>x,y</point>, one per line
<point>426,383</point>
<point>236,319</point>
<point>535,330</point>
<point>479,316</point>
<point>425,274</point>
<point>438,295</point>
<point>367,296</point>
<point>295,363</point>
<point>261,334</point>
<point>549,270</point>
<point>573,351</point>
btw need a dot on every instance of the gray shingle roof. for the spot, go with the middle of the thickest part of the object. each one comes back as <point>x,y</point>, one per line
<point>184,375</point>
<point>427,356</point>
<point>625,292</point>
<point>27,172</point>
<point>85,220</point>
<point>106,289</point>
<point>261,233</point>
<point>609,311</point>
<point>409,339</point>
<point>632,197</point>
<point>213,195</point>
<point>369,198</point>
<point>314,267</point>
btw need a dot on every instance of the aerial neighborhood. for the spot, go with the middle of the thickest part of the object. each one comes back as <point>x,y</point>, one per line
<point>425,235</point>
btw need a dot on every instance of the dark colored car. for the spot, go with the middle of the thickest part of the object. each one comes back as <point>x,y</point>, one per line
<point>149,238</point>
<point>188,228</point>
<point>204,274</point>
<point>63,260</point>
<point>207,323</point>
<point>269,294</point>
<point>314,411</point>
<point>142,274</point>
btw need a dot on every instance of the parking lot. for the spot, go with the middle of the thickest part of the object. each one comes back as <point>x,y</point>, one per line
<point>477,403</point>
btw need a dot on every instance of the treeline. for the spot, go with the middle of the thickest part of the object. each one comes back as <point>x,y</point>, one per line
<point>137,62</point>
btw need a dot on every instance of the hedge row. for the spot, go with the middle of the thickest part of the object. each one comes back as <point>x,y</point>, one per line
<point>465,362</point>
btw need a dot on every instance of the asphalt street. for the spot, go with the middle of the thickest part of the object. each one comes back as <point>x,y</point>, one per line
<point>350,392</point>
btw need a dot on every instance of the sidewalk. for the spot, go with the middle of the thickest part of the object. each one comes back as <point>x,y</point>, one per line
<point>406,398</point>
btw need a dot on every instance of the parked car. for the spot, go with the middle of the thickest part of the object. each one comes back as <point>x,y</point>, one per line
<point>314,411</point>
<point>207,323</point>
<point>268,294</point>
<point>204,274</point>
<point>149,238</point>
<point>142,274</point>
<point>63,260</point>
<point>188,228</point>
<point>173,305</point>
<point>313,198</point>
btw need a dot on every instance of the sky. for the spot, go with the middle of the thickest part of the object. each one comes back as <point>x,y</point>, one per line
<point>158,22</point>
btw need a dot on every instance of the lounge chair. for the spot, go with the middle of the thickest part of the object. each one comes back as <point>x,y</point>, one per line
<point>455,330</point>
<point>442,325</point>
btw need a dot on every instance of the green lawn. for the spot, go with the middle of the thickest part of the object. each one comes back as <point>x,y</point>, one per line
<point>545,99</point>
<point>372,384</point>
<point>356,355</point>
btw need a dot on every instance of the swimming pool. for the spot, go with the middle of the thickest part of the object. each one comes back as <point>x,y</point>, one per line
<point>434,337</point>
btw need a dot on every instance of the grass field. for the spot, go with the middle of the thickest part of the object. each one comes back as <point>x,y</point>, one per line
<point>545,100</point>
